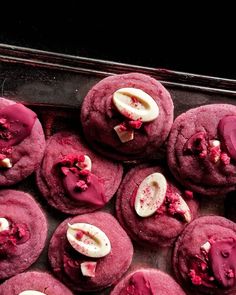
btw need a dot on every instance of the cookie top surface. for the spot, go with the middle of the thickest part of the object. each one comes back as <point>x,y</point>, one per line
<point>67,263</point>
<point>204,255</point>
<point>99,116</point>
<point>23,232</point>
<point>166,220</point>
<point>200,149</point>
<point>35,281</point>
<point>147,281</point>
<point>66,186</point>
<point>22,142</point>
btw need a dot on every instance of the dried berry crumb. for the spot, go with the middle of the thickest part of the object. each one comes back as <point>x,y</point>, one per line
<point>188,194</point>
<point>225,159</point>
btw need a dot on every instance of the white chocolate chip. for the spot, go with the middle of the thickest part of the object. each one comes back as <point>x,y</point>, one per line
<point>87,164</point>
<point>88,268</point>
<point>183,209</point>
<point>206,247</point>
<point>135,104</point>
<point>88,240</point>
<point>31,292</point>
<point>150,195</point>
<point>4,224</point>
<point>124,135</point>
<point>5,163</point>
<point>214,143</point>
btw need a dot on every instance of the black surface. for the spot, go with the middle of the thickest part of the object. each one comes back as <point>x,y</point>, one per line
<point>186,44</point>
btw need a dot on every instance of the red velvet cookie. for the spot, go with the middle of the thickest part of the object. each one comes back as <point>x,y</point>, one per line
<point>168,208</point>
<point>23,231</point>
<point>127,117</point>
<point>204,257</point>
<point>22,142</point>
<point>74,179</point>
<point>90,252</point>
<point>202,149</point>
<point>34,281</point>
<point>147,282</point>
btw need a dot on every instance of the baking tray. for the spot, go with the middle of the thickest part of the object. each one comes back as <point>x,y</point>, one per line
<point>54,86</point>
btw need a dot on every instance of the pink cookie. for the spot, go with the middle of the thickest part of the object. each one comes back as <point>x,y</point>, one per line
<point>22,241</point>
<point>166,223</point>
<point>35,281</point>
<point>73,189</point>
<point>66,261</point>
<point>147,282</point>
<point>99,116</point>
<point>22,142</point>
<point>202,149</point>
<point>204,257</point>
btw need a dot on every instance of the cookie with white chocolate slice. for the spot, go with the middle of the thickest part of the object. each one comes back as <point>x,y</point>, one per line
<point>127,117</point>
<point>87,252</point>
<point>151,208</point>
<point>33,283</point>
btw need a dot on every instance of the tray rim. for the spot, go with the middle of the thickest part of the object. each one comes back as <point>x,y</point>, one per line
<point>72,63</point>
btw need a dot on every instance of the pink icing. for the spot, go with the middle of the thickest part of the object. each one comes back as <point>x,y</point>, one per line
<point>138,285</point>
<point>93,194</point>
<point>222,258</point>
<point>216,267</point>
<point>16,123</point>
<point>227,132</point>
<point>80,184</point>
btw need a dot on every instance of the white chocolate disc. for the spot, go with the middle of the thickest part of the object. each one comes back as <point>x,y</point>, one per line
<point>150,195</point>
<point>88,240</point>
<point>135,104</point>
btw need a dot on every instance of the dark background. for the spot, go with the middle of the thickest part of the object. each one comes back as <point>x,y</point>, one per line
<point>190,44</point>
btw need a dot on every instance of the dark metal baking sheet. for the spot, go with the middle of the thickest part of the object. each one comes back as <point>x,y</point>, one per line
<point>54,85</point>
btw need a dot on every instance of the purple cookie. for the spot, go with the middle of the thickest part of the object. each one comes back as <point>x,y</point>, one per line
<point>202,149</point>
<point>35,281</point>
<point>69,182</point>
<point>22,142</point>
<point>204,257</point>
<point>167,221</point>
<point>67,262</point>
<point>23,231</point>
<point>99,116</point>
<point>147,282</point>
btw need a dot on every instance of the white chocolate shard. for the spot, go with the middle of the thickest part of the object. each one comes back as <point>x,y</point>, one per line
<point>124,135</point>
<point>88,268</point>
<point>31,292</point>
<point>86,164</point>
<point>150,194</point>
<point>5,163</point>
<point>183,209</point>
<point>206,247</point>
<point>214,143</point>
<point>135,104</point>
<point>4,224</point>
<point>88,240</point>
